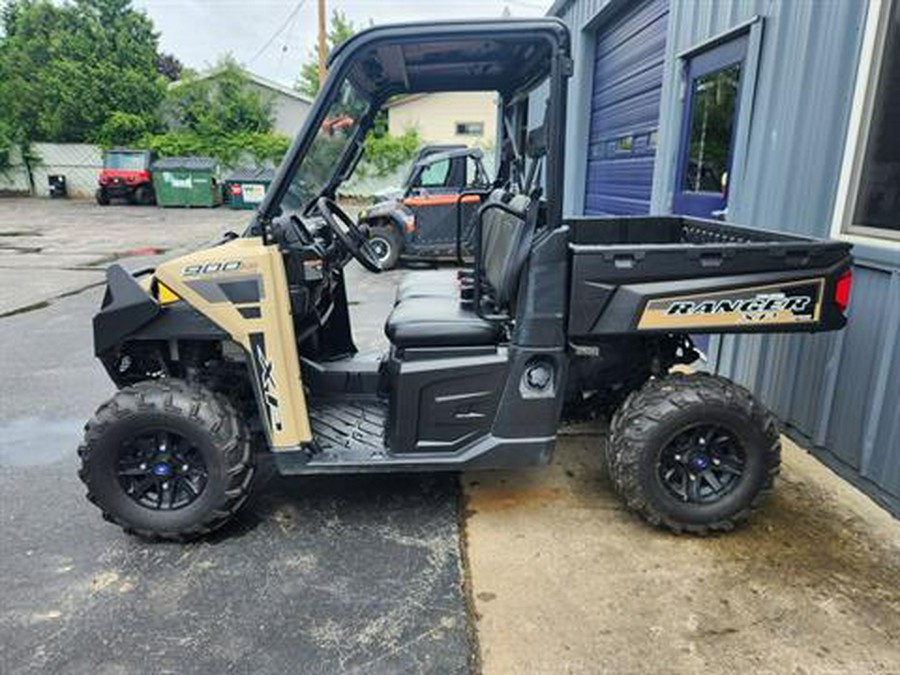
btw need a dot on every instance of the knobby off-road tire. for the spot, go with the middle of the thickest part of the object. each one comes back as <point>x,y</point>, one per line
<point>660,417</point>
<point>386,236</point>
<point>144,196</point>
<point>204,421</point>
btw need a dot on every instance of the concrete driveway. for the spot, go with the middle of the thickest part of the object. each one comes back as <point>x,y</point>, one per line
<point>539,571</point>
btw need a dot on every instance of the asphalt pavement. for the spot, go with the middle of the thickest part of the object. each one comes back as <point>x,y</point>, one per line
<point>332,574</point>
<point>365,574</point>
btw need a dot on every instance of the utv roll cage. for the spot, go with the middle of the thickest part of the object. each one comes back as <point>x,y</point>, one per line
<point>511,58</point>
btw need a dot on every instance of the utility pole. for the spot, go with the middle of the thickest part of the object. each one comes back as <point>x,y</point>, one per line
<point>322,47</point>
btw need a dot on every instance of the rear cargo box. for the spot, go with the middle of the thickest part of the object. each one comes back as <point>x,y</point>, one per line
<point>677,274</point>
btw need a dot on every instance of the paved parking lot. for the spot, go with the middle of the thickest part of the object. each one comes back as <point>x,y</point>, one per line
<point>358,574</point>
<point>372,574</point>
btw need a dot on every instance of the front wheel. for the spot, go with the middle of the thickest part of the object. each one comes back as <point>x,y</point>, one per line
<point>144,196</point>
<point>102,197</point>
<point>693,453</point>
<point>386,244</point>
<point>165,459</point>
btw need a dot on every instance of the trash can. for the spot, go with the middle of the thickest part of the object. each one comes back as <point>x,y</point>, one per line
<point>245,188</point>
<point>186,181</point>
<point>57,186</point>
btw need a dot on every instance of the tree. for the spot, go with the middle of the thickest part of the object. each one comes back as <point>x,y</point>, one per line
<point>169,67</point>
<point>121,129</point>
<point>340,30</point>
<point>65,70</point>
<point>217,104</point>
<point>219,116</point>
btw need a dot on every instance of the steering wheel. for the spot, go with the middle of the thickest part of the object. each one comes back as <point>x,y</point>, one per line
<point>349,233</point>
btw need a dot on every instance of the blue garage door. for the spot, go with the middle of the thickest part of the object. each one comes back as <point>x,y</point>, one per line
<point>628,71</point>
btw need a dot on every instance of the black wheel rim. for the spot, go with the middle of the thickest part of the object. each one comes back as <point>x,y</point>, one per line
<point>161,470</point>
<point>380,248</point>
<point>701,464</point>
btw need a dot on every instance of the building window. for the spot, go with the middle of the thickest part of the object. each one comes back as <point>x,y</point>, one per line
<point>876,206</point>
<point>470,128</point>
<point>713,116</point>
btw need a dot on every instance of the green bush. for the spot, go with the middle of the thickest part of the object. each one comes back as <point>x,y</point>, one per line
<point>384,153</point>
<point>122,129</point>
<point>221,117</point>
<point>230,149</point>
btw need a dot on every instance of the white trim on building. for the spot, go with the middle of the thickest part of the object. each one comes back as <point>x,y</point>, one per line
<point>870,61</point>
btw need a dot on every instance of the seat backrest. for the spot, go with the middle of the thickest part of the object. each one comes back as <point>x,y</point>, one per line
<point>503,236</point>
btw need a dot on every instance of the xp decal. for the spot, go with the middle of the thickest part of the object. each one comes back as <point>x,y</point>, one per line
<point>265,374</point>
<point>787,303</point>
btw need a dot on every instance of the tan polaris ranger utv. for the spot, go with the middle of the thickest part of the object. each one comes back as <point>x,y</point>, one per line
<point>246,347</point>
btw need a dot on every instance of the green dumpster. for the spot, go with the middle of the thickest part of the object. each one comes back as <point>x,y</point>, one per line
<point>246,187</point>
<point>186,181</point>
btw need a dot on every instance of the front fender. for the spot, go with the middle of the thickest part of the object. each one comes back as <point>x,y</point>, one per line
<point>392,211</point>
<point>125,309</point>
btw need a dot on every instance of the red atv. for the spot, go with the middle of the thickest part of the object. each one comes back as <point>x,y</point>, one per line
<point>126,175</point>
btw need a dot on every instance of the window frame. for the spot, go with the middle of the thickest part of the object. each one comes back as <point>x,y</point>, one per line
<point>477,123</point>
<point>868,74</point>
<point>690,99</point>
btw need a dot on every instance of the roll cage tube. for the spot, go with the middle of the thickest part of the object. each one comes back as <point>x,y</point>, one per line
<point>550,32</point>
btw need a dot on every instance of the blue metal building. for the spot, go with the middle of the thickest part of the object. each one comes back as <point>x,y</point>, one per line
<point>782,114</point>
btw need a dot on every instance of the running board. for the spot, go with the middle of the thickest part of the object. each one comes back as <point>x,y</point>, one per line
<point>489,452</point>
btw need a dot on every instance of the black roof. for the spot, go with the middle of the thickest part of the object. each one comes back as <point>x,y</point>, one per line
<point>193,163</point>
<point>129,150</point>
<point>434,157</point>
<point>505,55</point>
<point>251,174</point>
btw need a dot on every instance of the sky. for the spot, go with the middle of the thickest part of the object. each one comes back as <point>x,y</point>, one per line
<point>199,31</point>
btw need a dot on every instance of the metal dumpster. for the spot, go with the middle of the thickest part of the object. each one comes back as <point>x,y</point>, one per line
<point>246,187</point>
<point>186,181</point>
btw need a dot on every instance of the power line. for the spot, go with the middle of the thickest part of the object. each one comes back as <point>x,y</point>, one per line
<point>278,32</point>
<point>287,40</point>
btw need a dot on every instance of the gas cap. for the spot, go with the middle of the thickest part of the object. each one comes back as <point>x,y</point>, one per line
<point>538,376</point>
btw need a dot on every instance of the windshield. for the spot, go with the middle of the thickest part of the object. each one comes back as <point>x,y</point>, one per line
<point>125,161</point>
<point>331,142</point>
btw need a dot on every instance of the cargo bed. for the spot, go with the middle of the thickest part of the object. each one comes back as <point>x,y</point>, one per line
<point>679,274</point>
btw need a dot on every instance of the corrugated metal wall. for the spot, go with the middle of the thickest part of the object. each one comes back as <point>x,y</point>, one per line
<point>80,163</point>
<point>838,394</point>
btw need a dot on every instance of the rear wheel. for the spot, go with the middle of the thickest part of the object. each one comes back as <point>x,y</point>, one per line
<point>102,197</point>
<point>167,460</point>
<point>693,453</point>
<point>386,244</point>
